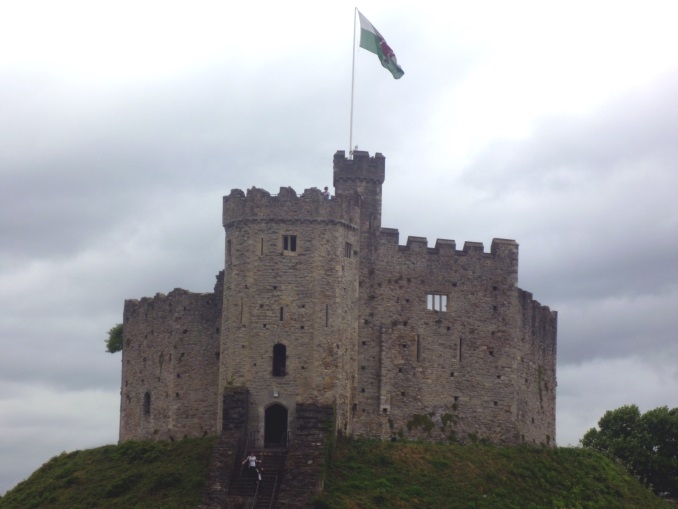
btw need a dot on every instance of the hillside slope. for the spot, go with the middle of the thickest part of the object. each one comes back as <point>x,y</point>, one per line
<point>363,474</point>
<point>369,474</point>
<point>132,475</point>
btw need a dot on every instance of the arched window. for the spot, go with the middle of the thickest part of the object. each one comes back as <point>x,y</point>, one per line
<point>147,403</point>
<point>279,359</point>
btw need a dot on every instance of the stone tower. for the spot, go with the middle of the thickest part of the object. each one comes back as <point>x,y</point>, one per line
<point>290,303</point>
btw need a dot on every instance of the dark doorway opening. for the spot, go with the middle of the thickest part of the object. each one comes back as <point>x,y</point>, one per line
<point>275,426</point>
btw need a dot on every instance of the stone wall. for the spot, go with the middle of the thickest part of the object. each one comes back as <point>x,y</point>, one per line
<point>536,371</point>
<point>454,373</point>
<point>306,459</point>
<point>229,449</point>
<point>170,362</point>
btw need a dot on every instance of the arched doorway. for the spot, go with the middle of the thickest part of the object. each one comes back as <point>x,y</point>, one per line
<point>275,426</point>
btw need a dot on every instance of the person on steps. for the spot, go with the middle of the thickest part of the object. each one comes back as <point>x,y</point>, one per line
<point>252,469</point>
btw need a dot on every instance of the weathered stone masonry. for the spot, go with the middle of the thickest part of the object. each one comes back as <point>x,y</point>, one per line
<point>170,365</point>
<point>319,305</point>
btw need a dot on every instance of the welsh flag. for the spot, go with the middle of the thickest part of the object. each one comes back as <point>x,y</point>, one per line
<point>371,40</point>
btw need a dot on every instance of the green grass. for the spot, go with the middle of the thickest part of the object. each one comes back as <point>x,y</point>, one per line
<point>131,475</point>
<point>371,474</point>
<point>364,474</point>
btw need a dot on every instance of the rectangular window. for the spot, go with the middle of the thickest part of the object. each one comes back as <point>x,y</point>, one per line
<point>436,302</point>
<point>348,250</point>
<point>418,348</point>
<point>290,243</point>
<point>228,248</point>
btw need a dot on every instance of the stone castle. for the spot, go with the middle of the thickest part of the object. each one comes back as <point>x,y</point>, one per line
<point>319,306</point>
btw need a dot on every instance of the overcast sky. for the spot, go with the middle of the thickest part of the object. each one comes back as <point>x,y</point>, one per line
<point>122,124</point>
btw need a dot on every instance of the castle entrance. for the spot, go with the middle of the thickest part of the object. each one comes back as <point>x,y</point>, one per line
<point>275,426</point>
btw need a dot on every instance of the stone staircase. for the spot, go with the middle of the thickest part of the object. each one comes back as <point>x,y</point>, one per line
<point>273,466</point>
<point>291,475</point>
<point>262,494</point>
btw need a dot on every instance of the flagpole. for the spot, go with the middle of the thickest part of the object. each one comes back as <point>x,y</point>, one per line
<point>350,130</point>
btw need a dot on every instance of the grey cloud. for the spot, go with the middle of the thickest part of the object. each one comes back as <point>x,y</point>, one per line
<point>38,423</point>
<point>587,390</point>
<point>638,129</point>
<point>103,167</point>
<point>618,327</point>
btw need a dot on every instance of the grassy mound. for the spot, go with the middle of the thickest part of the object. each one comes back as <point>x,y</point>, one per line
<point>371,474</point>
<point>364,474</point>
<point>131,475</point>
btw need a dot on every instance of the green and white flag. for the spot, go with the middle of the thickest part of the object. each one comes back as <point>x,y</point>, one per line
<point>371,40</point>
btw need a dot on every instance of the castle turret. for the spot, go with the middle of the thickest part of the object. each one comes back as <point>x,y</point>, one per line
<point>289,329</point>
<point>363,175</point>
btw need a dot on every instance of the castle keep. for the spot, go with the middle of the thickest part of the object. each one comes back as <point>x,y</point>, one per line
<point>320,307</point>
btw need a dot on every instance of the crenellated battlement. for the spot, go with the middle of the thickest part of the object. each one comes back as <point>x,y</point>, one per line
<point>498,248</point>
<point>259,204</point>
<point>361,167</point>
<point>178,295</point>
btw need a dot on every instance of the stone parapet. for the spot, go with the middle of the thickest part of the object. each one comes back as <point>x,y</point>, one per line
<point>287,207</point>
<point>360,167</point>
